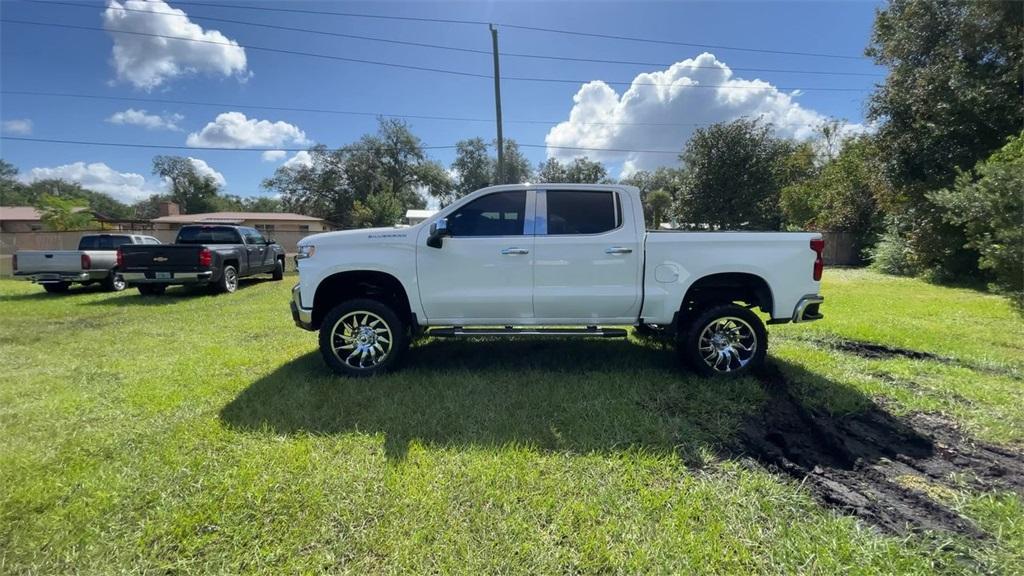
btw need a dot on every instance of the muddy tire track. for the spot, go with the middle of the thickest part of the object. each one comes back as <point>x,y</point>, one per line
<point>858,463</point>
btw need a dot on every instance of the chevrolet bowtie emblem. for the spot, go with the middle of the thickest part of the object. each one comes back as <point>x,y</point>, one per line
<point>159,259</point>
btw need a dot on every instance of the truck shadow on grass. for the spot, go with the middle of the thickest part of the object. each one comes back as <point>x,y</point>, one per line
<point>173,295</point>
<point>601,396</point>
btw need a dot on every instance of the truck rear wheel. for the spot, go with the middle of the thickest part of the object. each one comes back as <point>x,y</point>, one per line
<point>114,282</point>
<point>56,287</point>
<point>724,340</point>
<point>228,282</point>
<point>362,337</point>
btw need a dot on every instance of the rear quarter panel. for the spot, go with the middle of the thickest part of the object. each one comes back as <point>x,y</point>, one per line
<point>675,260</point>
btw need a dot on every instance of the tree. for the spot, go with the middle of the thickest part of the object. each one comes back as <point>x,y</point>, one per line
<point>669,180</point>
<point>369,183</point>
<point>63,214</point>
<point>194,192</point>
<point>842,195</point>
<point>12,192</point>
<point>735,172</point>
<point>952,97</point>
<point>988,202</point>
<point>473,166</point>
<point>659,203</point>
<point>517,169</point>
<point>580,171</point>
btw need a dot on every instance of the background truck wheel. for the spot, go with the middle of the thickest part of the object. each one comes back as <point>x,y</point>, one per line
<point>228,282</point>
<point>724,340</point>
<point>362,337</point>
<point>115,282</point>
<point>56,287</point>
<point>279,270</point>
<point>152,289</point>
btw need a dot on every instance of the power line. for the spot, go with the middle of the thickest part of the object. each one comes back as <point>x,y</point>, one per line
<point>522,27</point>
<point>450,48</point>
<point>284,149</point>
<point>422,68</point>
<point>339,112</point>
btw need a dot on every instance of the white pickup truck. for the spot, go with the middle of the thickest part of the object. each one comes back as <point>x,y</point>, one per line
<point>561,259</point>
<point>95,262</point>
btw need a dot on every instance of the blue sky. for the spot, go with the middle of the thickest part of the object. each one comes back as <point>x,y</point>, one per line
<point>82,61</point>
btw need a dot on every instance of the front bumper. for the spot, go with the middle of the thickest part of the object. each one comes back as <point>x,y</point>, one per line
<point>176,278</point>
<point>807,309</point>
<point>55,277</point>
<point>303,317</point>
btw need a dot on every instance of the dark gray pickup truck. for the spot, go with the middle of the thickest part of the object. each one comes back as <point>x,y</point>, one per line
<point>211,255</point>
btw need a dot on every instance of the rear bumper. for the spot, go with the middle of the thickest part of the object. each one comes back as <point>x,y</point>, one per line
<point>303,317</point>
<point>176,278</point>
<point>807,309</point>
<point>54,277</point>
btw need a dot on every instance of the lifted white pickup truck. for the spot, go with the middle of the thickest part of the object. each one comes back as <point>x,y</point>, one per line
<point>510,260</point>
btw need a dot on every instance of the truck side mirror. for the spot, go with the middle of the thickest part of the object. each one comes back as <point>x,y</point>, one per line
<point>438,230</point>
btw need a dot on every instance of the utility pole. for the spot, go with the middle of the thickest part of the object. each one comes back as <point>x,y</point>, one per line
<point>497,105</point>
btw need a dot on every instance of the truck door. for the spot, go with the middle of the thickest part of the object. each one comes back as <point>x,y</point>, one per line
<point>589,257</point>
<point>484,270</point>
<point>255,248</point>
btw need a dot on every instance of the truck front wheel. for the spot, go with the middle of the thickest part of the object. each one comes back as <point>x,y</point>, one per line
<point>362,337</point>
<point>724,340</point>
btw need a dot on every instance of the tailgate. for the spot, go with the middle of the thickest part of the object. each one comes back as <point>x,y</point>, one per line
<point>31,261</point>
<point>160,257</point>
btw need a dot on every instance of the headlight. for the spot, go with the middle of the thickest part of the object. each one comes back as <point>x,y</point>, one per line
<point>306,251</point>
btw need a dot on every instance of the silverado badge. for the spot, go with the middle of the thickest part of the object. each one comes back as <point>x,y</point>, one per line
<point>159,259</point>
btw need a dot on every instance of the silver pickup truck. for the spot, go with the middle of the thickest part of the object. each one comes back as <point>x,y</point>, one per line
<point>95,262</point>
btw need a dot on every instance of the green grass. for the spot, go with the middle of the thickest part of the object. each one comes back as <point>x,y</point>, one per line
<point>202,434</point>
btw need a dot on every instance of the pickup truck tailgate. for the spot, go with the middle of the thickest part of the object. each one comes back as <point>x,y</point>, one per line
<point>30,261</point>
<point>161,257</point>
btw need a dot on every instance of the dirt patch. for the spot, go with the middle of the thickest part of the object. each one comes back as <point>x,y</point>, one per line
<point>859,463</point>
<point>870,350</point>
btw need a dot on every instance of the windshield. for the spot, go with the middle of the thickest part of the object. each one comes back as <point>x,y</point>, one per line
<point>208,235</point>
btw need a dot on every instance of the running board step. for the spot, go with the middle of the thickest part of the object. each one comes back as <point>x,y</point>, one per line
<point>509,331</point>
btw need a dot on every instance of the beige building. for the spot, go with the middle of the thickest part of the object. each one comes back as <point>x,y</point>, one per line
<point>20,219</point>
<point>268,222</point>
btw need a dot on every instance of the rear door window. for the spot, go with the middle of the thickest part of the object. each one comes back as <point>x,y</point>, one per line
<point>103,242</point>
<point>208,235</point>
<point>581,211</point>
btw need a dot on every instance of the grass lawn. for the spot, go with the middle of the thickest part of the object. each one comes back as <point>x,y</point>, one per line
<point>202,434</point>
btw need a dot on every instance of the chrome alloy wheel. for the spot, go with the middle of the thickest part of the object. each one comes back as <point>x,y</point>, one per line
<point>119,283</point>
<point>361,339</point>
<point>230,279</point>
<point>727,344</point>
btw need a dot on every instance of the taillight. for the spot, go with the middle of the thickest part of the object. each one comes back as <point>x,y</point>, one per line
<point>14,262</point>
<point>120,258</point>
<point>205,257</point>
<point>818,245</point>
<point>86,262</point>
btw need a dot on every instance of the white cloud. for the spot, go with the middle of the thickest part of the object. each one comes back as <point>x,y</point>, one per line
<point>149,61</point>
<point>135,117</point>
<point>602,118</point>
<point>301,158</point>
<point>18,126</point>
<point>205,169</point>
<point>234,130</point>
<point>273,155</point>
<point>124,186</point>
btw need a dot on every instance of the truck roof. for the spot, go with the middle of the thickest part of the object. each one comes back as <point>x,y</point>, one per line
<point>557,186</point>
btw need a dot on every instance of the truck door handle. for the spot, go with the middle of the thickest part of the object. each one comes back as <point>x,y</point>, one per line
<point>618,250</point>
<point>515,251</point>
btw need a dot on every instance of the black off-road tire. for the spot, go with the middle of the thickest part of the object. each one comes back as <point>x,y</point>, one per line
<point>343,356</point>
<point>279,269</point>
<point>114,282</point>
<point>152,289</point>
<point>740,346</point>
<point>228,281</point>
<point>57,287</point>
